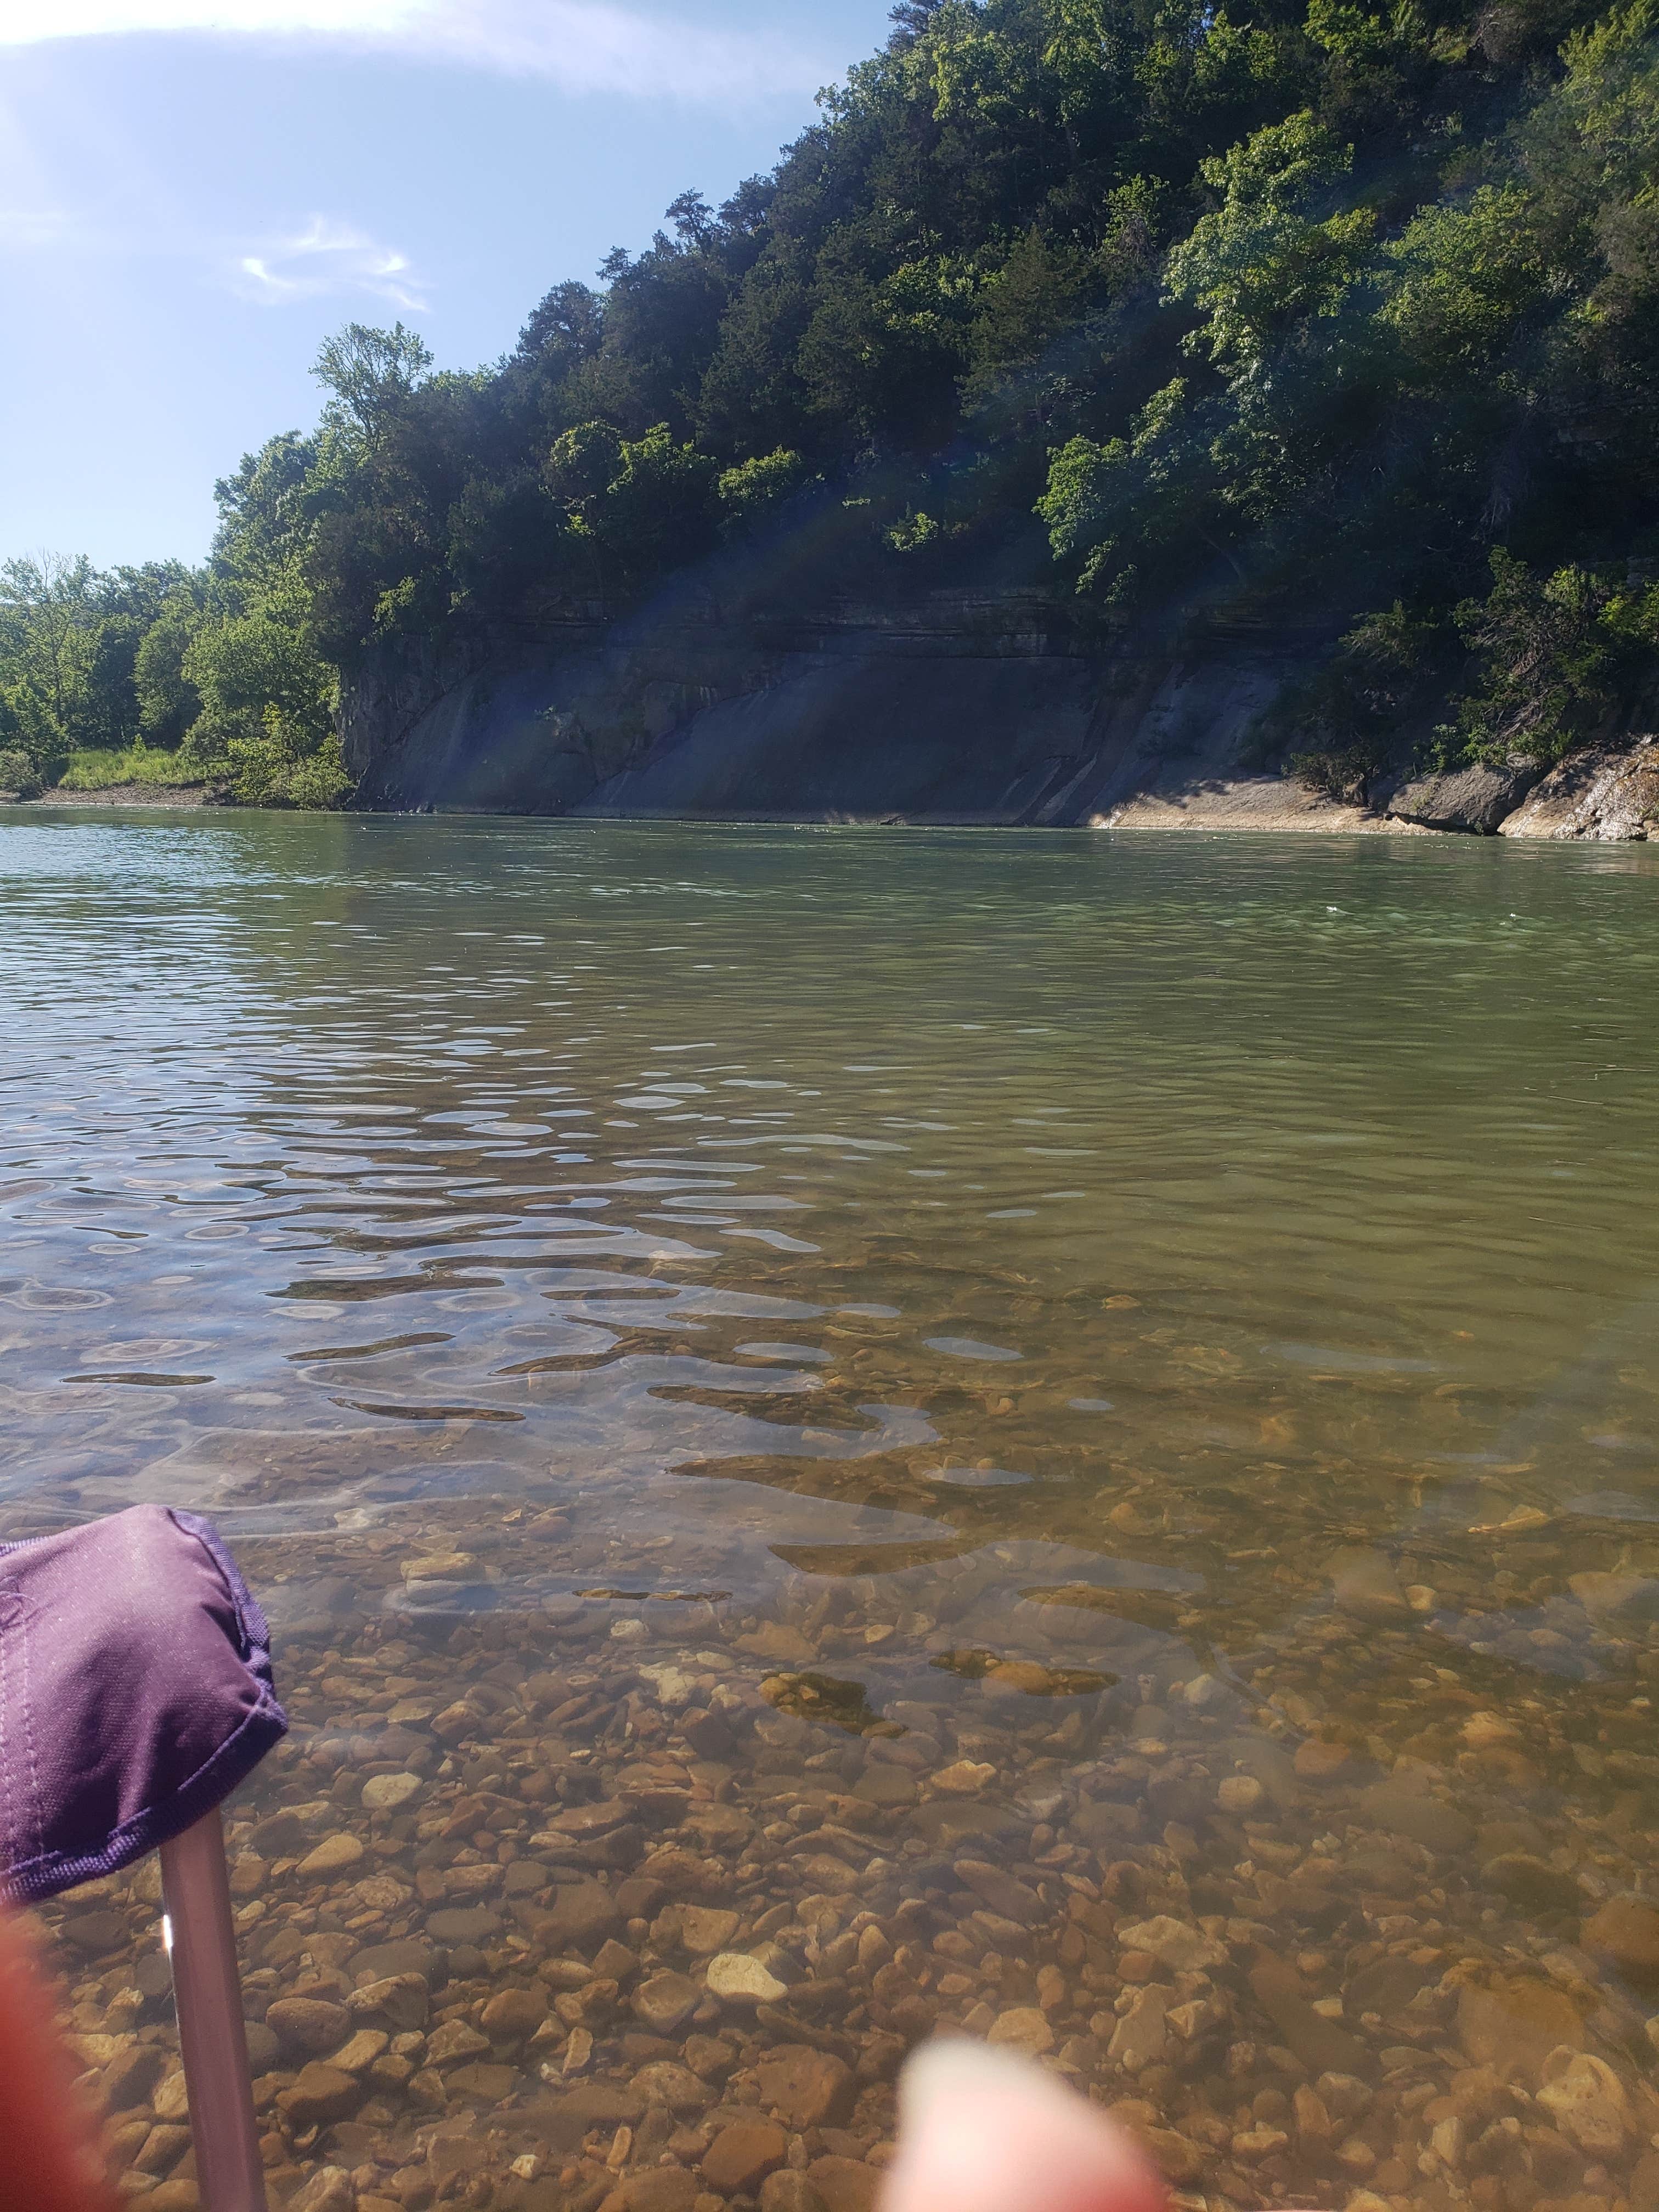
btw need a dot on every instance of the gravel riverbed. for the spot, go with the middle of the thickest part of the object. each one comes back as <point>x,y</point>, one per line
<point>639,1903</point>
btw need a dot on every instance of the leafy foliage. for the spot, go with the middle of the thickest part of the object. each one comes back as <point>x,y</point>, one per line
<point>1554,653</point>
<point>1337,727</point>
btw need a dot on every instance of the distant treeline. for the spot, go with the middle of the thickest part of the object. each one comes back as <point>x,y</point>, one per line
<point>1330,314</point>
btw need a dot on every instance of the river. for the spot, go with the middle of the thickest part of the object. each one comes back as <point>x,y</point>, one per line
<point>1052,1432</point>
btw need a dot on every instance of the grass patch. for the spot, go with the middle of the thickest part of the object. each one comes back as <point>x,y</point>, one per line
<point>95,769</point>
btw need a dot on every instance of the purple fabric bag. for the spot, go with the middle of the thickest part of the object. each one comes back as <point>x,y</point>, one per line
<point>135,1693</point>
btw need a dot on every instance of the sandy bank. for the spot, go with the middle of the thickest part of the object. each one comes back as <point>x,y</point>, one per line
<point>1253,802</point>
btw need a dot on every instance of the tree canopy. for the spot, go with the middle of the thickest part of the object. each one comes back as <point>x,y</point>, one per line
<point>1176,308</point>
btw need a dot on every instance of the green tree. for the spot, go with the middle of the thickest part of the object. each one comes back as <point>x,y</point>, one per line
<point>1548,664</point>
<point>168,703</point>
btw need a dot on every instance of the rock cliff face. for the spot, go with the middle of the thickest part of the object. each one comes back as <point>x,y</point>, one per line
<point>962,706</point>
<point>1608,796</point>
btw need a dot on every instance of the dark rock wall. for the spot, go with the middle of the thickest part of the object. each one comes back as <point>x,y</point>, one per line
<point>966,707</point>
<point>963,708</point>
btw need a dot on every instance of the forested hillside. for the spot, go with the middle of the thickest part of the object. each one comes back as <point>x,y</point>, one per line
<point>1289,311</point>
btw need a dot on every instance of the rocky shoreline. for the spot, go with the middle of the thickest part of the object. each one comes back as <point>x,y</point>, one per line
<point>1605,794</point>
<point>618,1907</point>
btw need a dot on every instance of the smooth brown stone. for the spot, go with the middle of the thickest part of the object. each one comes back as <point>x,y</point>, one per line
<point>387,1961</point>
<point>1001,1892</point>
<point>580,1822</point>
<point>806,2087</point>
<point>319,2093</point>
<point>666,2081</point>
<point>311,2025</point>
<point>1421,1818</point>
<point>400,1999</point>
<point>463,1923</point>
<point>1363,1582</point>
<point>659,2189</point>
<point>741,2155</point>
<point>480,2078</point>
<point>513,2014</point>
<point>1317,2042</point>
<point>336,1853</point>
<point>846,2184</point>
<point>582,1915</point>
<point>1315,1759</point>
<point>452,2042</point>
<point>788,2192</point>
<point>1022,2027</point>
<point>565,2116</point>
<point>329,2189</point>
<point>1626,1931</point>
<point>1178,2160</point>
<point>95,1931</point>
<point>1532,1885</point>
<point>667,2002</point>
<point>129,2078</point>
<point>1517,2021</point>
<point>705,1929</point>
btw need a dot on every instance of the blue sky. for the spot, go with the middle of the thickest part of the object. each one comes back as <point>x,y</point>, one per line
<point>193,193</point>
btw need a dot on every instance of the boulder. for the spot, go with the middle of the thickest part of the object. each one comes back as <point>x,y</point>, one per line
<point>1474,799</point>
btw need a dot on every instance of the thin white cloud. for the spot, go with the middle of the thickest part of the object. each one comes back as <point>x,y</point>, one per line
<point>582,45</point>
<point>327,258</point>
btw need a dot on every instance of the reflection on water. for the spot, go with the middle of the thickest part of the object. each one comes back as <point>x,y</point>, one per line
<point>847,1432</point>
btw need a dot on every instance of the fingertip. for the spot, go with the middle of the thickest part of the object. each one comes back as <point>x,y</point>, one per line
<point>47,2139</point>
<point>982,2129</point>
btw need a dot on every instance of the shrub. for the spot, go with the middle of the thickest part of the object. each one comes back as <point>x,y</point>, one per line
<point>1342,726</point>
<point>1549,665</point>
<point>18,775</point>
<point>285,767</point>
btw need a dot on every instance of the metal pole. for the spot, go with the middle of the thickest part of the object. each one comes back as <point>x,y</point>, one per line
<point>208,1990</point>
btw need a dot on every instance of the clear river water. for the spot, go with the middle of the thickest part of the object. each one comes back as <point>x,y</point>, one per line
<point>848,1433</point>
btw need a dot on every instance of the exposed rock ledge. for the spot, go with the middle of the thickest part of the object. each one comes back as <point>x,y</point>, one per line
<point>1472,800</point>
<point>959,707</point>
<point>1609,797</point>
